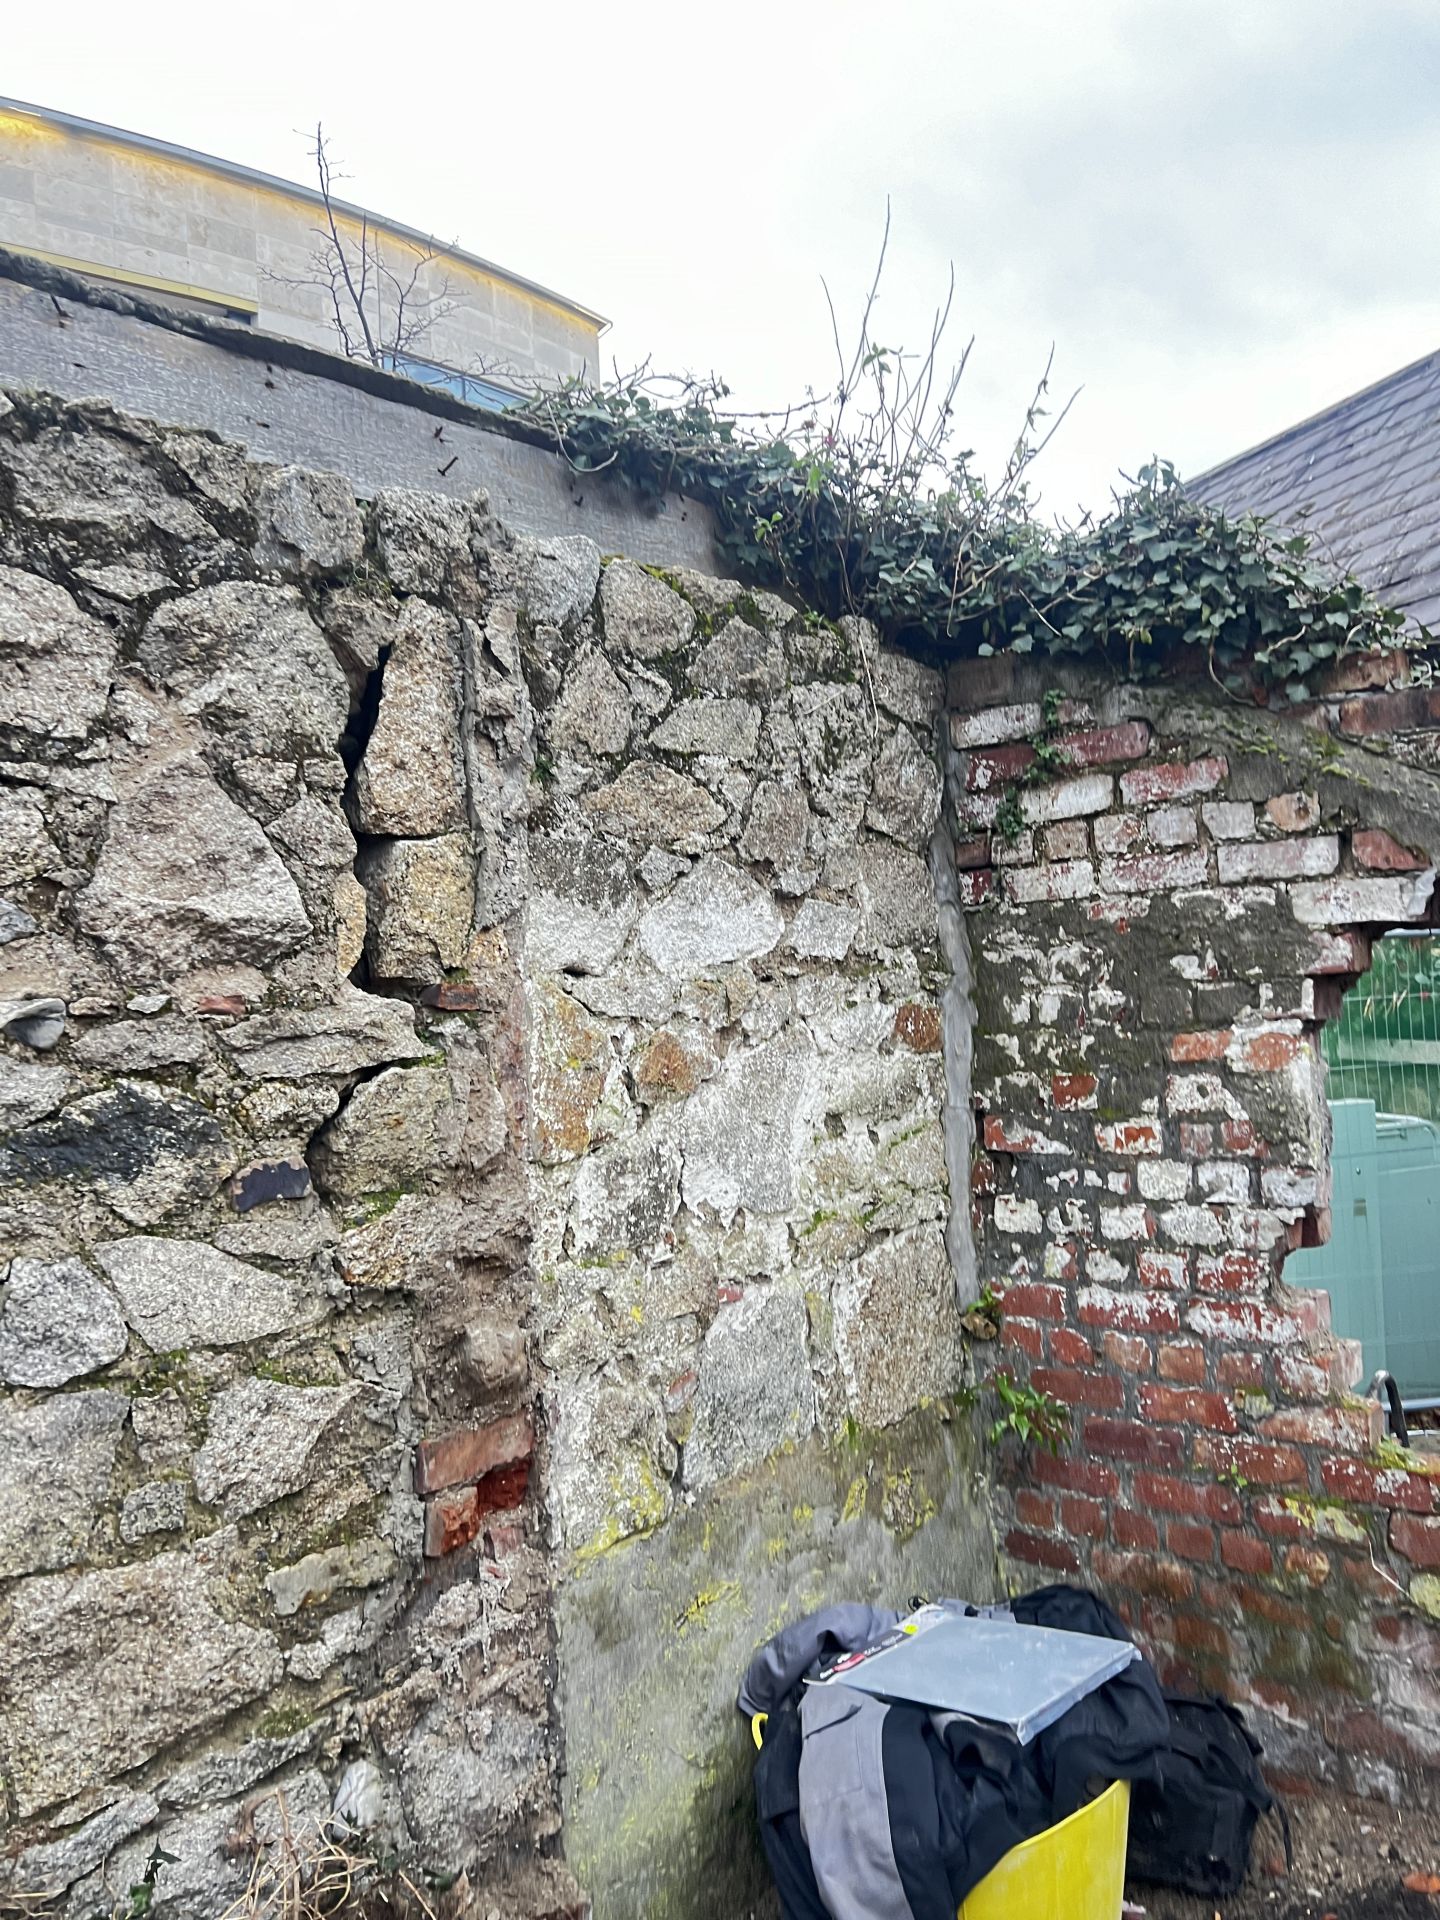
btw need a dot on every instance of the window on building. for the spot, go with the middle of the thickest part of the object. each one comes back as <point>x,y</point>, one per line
<point>465,386</point>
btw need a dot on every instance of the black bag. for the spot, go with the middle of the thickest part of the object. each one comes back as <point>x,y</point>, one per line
<point>1193,1831</point>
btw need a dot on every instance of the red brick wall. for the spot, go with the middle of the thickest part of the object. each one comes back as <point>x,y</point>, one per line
<point>1191,888</point>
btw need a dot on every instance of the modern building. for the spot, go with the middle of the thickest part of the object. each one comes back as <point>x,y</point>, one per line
<point>210,235</point>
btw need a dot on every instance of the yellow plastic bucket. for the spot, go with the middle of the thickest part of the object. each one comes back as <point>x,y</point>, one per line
<point>1073,1871</point>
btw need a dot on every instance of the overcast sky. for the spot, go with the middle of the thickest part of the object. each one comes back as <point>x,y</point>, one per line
<point>1224,214</point>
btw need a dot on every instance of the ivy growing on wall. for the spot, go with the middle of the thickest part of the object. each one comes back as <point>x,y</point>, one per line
<point>862,503</point>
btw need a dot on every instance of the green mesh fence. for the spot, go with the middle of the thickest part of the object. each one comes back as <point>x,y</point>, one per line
<point>1385,1044</point>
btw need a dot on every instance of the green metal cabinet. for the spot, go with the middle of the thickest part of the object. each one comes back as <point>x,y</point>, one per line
<point>1382,1264</point>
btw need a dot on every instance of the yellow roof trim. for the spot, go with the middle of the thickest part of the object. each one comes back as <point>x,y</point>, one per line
<point>233,302</point>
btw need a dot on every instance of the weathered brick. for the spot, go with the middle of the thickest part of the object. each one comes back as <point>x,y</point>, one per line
<point>1056,880</point>
<point>1188,1407</point>
<point>469,1453</point>
<point>1038,1551</point>
<point>973,889</point>
<point>1301,1378</point>
<point>1187,1048</point>
<point>1018,850</point>
<point>973,853</point>
<point>1417,1538</point>
<point>1099,746</point>
<point>1233,1273</point>
<point>1239,1136</point>
<point>1197,1633</point>
<point>1071,1349</point>
<point>1129,1312</point>
<point>1412,710</point>
<point>1370,1486</point>
<point>1224,1183</point>
<point>1166,1272</point>
<point>1130,1440</point>
<point>1073,1388</point>
<point>1129,1136</point>
<point>1342,1429</point>
<point>1118,833</point>
<point>454,996</point>
<point>991,725</point>
<point>1128,1351</point>
<point>1163,1579</point>
<point>1362,900</point>
<point>1197,1093</point>
<point>1034,1300</point>
<point>1132,1529</point>
<point>1305,859</point>
<point>1067,799</point>
<point>1343,953</point>
<point>1016,1215</point>
<point>996,767</point>
<point>1265,1049</point>
<point>1197,1138</point>
<point>1381,853</point>
<point>1034,1509</point>
<point>451,1521</point>
<point>1254,1460</point>
<point>1187,1541</point>
<point>1228,819</point>
<point>1293,812</point>
<point>1076,1476</point>
<point>1155,872</point>
<point>1023,1336</point>
<point>1163,1179</point>
<point>1241,1370</point>
<point>1069,840</point>
<point>1182,1362</point>
<point>1172,827</point>
<point>1245,1554</point>
<point>1073,1090</point>
<point>1194,1498</point>
<point>1175,780</point>
<point>1061,1261</point>
<point>1081,1516</point>
<point>1244,1321</point>
<point>1010,1136</point>
<point>1308,1564</point>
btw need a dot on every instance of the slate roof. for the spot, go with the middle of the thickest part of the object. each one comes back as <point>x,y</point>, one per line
<point>1363,479</point>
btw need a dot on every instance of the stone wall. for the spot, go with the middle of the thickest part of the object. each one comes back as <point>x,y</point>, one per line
<point>473,1180</point>
<point>1170,892</point>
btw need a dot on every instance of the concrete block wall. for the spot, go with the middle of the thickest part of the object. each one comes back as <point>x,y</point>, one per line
<point>1169,892</point>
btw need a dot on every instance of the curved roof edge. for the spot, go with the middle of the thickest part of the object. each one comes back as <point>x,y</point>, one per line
<point>251,176</point>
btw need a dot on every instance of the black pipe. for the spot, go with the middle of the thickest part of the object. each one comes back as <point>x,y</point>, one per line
<point>1385,1382</point>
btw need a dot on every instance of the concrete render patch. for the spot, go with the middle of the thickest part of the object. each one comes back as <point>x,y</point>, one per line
<point>655,1634</point>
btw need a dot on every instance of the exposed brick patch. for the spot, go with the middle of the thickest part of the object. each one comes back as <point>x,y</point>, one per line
<point>997,767</point>
<point>1034,1509</point>
<point>917,1027</point>
<point>972,853</point>
<point>1187,1541</point>
<point>1098,746</point>
<point>469,1453</point>
<point>1023,1336</point>
<point>1162,1493</point>
<point>1072,1349</point>
<point>1129,1312</point>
